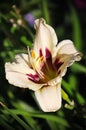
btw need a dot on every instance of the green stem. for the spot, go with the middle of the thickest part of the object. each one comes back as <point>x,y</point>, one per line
<point>45,10</point>
<point>29,32</point>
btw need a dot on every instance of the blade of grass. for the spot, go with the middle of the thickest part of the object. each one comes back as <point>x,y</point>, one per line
<point>23,106</point>
<point>39,115</point>
<point>30,121</point>
<point>45,10</point>
<point>29,31</point>
<point>4,124</point>
<point>77,35</point>
<point>66,87</point>
<point>80,99</point>
<point>52,125</point>
<point>76,67</point>
<point>20,121</point>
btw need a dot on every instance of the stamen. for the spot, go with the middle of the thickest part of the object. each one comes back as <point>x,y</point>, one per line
<point>42,58</point>
<point>33,54</point>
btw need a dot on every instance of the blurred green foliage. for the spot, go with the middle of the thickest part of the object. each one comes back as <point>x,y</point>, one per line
<point>18,107</point>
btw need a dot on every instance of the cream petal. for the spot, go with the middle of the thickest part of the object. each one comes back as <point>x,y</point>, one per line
<point>20,64</point>
<point>67,47</point>
<point>64,61</point>
<point>68,61</point>
<point>55,81</point>
<point>16,73</point>
<point>45,37</point>
<point>65,55</point>
<point>20,80</point>
<point>49,98</point>
<point>21,58</point>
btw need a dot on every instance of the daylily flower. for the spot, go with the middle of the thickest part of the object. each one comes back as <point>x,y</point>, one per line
<point>44,66</point>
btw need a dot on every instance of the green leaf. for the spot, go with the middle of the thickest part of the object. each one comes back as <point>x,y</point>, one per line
<point>53,125</point>
<point>80,99</point>
<point>76,67</point>
<point>14,113</point>
<point>66,87</point>
<point>77,33</point>
<point>4,123</point>
<point>22,106</point>
<point>46,11</point>
<point>32,122</point>
<point>26,41</point>
<point>73,81</point>
<point>18,119</point>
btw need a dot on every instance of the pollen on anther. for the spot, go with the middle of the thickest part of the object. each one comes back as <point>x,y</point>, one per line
<point>42,58</point>
<point>33,54</point>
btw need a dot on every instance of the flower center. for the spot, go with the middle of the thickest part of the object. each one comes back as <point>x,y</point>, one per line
<point>45,69</point>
